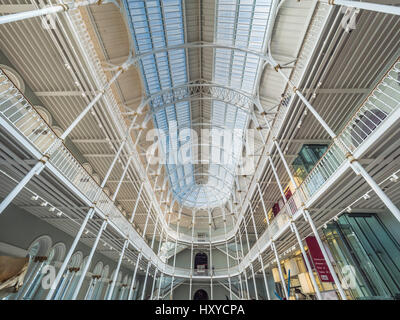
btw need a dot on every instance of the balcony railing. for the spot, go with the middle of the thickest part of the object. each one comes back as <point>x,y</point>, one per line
<point>324,169</point>
<point>379,105</point>
<point>16,108</point>
<point>17,111</point>
<point>383,101</point>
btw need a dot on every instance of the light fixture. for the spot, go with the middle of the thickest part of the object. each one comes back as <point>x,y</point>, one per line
<point>43,204</point>
<point>299,125</point>
<point>59,213</point>
<point>35,197</point>
<point>394,178</point>
<point>325,226</point>
<point>86,231</point>
<point>348,209</point>
<point>51,209</point>
<point>366,196</point>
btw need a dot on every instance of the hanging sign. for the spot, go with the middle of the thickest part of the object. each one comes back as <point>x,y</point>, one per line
<point>318,260</point>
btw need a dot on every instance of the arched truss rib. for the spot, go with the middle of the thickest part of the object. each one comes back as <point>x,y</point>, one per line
<point>184,201</point>
<point>200,45</point>
<point>207,174</point>
<point>196,143</point>
<point>182,195</point>
<point>196,90</point>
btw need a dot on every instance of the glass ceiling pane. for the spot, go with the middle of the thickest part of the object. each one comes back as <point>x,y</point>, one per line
<point>240,24</point>
<point>159,24</point>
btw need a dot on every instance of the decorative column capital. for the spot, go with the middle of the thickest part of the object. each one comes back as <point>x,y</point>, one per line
<point>45,158</point>
<point>40,259</point>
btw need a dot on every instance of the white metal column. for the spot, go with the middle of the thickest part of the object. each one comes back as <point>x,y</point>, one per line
<point>85,269</point>
<point>134,275</point>
<point>239,275</point>
<point>358,169</point>
<point>145,280</point>
<point>251,264</point>
<point>210,267</point>
<point>111,291</point>
<point>389,9</point>
<point>60,273</point>
<point>62,7</point>
<point>280,270</point>
<point>325,254</point>
<point>259,253</point>
<point>38,167</point>
<point>176,247</point>
<point>293,225</point>
<point>191,256</point>
<point>305,257</point>
<point>245,274</point>
<point>227,256</point>
<point>136,203</point>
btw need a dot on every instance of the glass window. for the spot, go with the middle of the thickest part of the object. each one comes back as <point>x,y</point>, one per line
<point>35,285</point>
<point>368,256</point>
<point>307,158</point>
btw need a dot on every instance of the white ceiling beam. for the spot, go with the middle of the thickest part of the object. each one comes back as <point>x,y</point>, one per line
<point>16,8</point>
<point>94,155</point>
<point>338,90</point>
<point>116,60</point>
<point>353,210</point>
<point>62,93</point>
<point>309,141</point>
<point>93,141</point>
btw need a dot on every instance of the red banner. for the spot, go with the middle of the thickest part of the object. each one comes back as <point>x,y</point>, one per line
<point>318,260</point>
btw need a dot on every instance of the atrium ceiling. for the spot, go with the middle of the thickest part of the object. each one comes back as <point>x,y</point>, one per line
<point>202,32</point>
<point>204,72</point>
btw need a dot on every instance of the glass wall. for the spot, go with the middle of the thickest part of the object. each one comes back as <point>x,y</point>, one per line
<point>307,158</point>
<point>367,256</point>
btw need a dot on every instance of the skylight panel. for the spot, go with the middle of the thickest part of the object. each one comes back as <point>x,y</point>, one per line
<point>159,24</point>
<point>237,69</point>
<point>230,116</point>
<point>156,25</point>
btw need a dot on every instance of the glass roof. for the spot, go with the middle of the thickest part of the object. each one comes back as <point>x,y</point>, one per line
<point>160,24</point>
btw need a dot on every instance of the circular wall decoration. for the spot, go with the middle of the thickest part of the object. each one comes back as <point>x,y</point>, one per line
<point>106,191</point>
<point>57,130</point>
<point>96,178</point>
<point>44,114</point>
<point>88,167</point>
<point>14,76</point>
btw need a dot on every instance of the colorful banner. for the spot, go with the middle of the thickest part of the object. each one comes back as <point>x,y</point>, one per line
<point>318,260</point>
